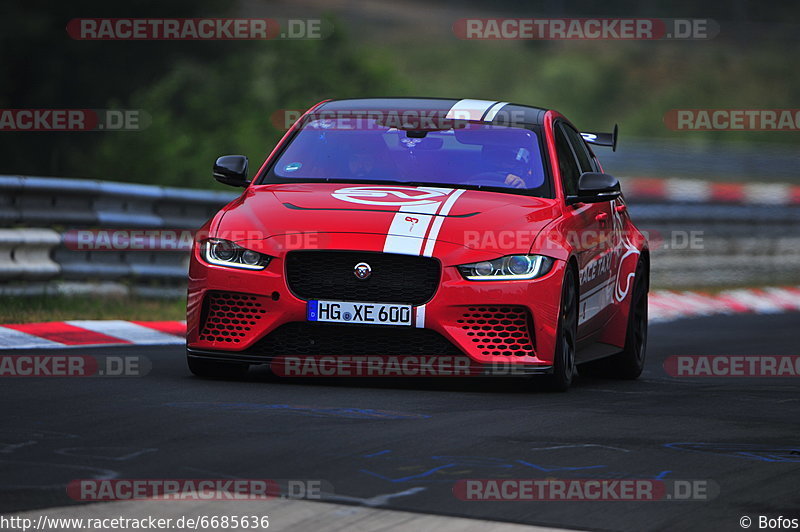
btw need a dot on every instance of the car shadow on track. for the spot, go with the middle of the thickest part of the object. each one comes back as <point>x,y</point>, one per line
<point>260,374</point>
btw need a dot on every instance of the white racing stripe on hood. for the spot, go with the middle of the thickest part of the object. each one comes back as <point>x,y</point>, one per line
<point>437,223</point>
<point>409,225</point>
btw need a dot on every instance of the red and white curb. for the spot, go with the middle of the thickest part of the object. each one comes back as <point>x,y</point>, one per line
<point>665,306</point>
<point>699,191</point>
<point>82,333</point>
<point>668,305</point>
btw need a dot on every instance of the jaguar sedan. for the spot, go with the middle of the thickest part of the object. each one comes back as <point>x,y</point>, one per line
<point>404,227</point>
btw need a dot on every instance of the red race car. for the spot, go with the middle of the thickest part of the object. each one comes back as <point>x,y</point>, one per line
<point>411,227</point>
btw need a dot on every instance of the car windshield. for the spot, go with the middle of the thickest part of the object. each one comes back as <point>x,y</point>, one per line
<point>469,154</point>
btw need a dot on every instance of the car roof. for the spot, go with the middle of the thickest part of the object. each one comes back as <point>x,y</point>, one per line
<point>490,111</point>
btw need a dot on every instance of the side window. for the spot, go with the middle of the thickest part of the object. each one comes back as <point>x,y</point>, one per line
<point>593,157</point>
<point>575,139</point>
<point>566,163</point>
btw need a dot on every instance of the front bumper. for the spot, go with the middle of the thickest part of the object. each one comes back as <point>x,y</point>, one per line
<point>247,316</point>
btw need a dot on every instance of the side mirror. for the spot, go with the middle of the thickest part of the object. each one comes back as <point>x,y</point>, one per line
<point>594,187</point>
<point>231,170</point>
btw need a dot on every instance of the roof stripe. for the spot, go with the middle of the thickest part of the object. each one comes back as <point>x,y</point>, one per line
<point>493,110</point>
<point>470,109</point>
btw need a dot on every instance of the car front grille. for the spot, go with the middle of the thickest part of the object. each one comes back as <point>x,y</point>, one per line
<point>326,339</point>
<point>330,275</point>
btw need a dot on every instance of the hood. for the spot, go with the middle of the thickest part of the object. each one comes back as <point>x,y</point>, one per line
<point>401,219</point>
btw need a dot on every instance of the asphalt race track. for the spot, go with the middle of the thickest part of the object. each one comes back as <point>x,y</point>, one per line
<point>411,440</point>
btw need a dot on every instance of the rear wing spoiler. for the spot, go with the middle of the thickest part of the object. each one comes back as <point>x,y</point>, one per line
<point>602,139</point>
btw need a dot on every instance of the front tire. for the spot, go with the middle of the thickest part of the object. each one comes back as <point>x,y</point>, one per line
<point>564,368</point>
<point>212,369</point>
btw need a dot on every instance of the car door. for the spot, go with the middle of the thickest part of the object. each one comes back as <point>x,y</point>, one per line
<point>589,230</point>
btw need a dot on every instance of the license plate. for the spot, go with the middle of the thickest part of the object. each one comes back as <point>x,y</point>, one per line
<point>362,313</point>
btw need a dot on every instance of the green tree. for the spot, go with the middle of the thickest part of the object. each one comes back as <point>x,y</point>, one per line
<point>203,109</point>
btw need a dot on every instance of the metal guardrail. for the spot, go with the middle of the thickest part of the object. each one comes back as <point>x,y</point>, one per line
<point>44,209</point>
<point>729,160</point>
<point>37,201</point>
<point>740,244</point>
<point>25,253</point>
<point>735,245</point>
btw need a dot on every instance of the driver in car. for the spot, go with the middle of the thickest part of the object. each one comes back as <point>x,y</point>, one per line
<point>361,164</point>
<point>510,166</point>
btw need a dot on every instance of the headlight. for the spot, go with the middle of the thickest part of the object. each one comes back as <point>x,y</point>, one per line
<point>511,268</point>
<point>227,253</point>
